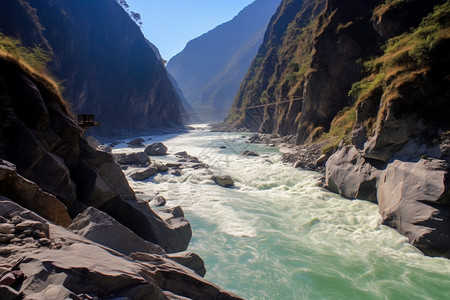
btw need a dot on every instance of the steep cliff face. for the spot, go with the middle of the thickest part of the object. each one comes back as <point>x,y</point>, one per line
<point>371,79</point>
<point>305,67</point>
<point>211,67</point>
<point>101,58</point>
<point>312,53</point>
<point>40,138</point>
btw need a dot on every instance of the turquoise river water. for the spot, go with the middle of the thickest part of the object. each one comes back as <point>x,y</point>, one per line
<point>277,235</point>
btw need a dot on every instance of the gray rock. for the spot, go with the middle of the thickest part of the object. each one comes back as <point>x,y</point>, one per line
<point>171,233</point>
<point>83,266</point>
<point>176,211</point>
<point>6,228</point>
<point>30,195</point>
<point>223,180</point>
<point>190,260</point>
<point>101,228</point>
<point>160,166</point>
<point>5,238</point>
<point>143,175</point>
<point>93,142</point>
<point>157,201</point>
<point>250,153</point>
<point>30,224</point>
<point>414,198</point>
<point>351,176</point>
<point>182,154</point>
<point>136,158</point>
<point>176,173</point>
<point>104,148</point>
<point>136,143</point>
<point>156,149</point>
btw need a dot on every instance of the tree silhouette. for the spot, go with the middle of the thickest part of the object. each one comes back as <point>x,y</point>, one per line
<point>136,17</point>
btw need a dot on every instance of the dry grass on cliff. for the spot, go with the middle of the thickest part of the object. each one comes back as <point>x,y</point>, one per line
<point>46,85</point>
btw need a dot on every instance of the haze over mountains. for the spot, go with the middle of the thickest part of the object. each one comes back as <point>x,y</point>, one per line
<point>211,67</point>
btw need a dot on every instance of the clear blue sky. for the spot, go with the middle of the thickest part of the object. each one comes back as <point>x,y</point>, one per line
<point>170,24</point>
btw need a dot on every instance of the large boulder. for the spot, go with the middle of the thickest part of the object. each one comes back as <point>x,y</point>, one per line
<point>135,158</point>
<point>136,143</point>
<point>190,260</point>
<point>414,198</point>
<point>223,180</point>
<point>171,233</point>
<point>143,175</point>
<point>351,175</point>
<point>101,228</point>
<point>156,149</point>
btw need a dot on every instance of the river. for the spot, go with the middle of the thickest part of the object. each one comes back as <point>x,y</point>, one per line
<point>277,235</point>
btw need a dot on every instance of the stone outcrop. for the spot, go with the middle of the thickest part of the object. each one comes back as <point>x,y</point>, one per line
<point>414,198</point>
<point>75,267</point>
<point>29,195</point>
<point>156,149</point>
<point>99,227</point>
<point>413,195</point>
<point>351,176</point>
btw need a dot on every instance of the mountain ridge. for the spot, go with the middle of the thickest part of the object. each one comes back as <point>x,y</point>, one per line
<point>211,67</point>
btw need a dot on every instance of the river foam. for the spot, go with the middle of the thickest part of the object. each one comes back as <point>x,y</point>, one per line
<point>276,235</point>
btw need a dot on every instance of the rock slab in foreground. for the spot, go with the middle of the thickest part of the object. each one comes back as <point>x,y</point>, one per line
<point>82,267</point>
<point>99,227</point>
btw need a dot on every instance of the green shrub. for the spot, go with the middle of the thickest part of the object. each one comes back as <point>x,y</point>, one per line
<point>36,57</point>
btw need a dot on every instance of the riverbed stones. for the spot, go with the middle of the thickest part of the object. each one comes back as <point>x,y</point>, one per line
<point>143,175</point>
<point>156,149</point>
<point>136,143</point>
<point>135,158</point>
<point>223,180</point>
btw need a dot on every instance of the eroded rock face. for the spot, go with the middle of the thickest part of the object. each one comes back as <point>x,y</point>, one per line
<point>349,174</point>
<point>414,198</point>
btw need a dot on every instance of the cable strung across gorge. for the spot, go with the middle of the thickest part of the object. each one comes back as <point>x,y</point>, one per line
<point>246,108</point>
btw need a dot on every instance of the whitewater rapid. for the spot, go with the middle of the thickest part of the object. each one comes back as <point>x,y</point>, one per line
<point>278,235</point>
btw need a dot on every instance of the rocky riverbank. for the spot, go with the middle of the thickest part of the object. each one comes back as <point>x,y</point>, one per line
<point>70,224</point>
<point>411,187</point>
<point>307,157</point>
